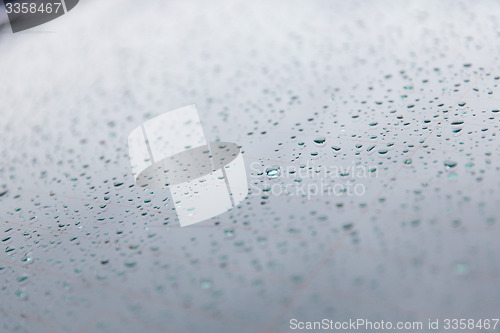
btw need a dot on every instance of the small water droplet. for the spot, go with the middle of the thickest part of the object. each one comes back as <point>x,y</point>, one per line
<point>130,264</point>
<point>22,278</point>
<point>273,172</point>
<point>27,259</point>
<point>206,284</point>
<point>461,269</point>
<point>320,141</point>
<point>21,293</point>
<point>450,164</point>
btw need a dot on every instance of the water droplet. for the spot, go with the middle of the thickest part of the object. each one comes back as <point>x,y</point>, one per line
<point>206,284</point>
<point>450,164</point>
<point>320,141</point>
<point>22,278</point>
<point>273,172</point>
<point>130,264</point>
<point>21,293</point>
<point>461,269</point>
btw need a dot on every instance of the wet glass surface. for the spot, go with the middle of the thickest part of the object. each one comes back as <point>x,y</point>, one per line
<point>369,133</point>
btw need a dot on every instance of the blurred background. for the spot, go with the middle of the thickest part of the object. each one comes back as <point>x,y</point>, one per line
<point>407,91</point>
